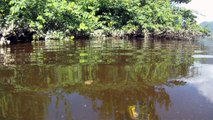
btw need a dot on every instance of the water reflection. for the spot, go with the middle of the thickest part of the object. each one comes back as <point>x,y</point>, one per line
<point>96,79</point>
<point>204,81</point>
<point>86,104</point>
<point>203,63</point>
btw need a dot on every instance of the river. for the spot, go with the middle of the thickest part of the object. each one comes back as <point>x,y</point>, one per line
<point>107,80</point>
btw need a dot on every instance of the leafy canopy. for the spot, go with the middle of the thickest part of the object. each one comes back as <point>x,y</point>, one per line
<point>86,16</point>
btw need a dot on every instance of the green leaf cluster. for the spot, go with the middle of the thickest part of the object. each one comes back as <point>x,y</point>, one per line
<point>78,17</point>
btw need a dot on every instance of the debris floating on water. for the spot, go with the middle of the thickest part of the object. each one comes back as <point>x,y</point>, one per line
<point>88,82</point>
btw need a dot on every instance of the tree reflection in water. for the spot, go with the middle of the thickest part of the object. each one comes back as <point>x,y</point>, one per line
<point>128,79</point>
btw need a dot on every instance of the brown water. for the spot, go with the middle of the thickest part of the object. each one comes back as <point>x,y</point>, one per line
<point>107,80</point>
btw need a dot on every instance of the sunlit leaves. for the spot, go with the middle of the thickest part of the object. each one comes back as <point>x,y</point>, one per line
<point>82,26</point>
<point>40,18</point>
<point>86,16</point>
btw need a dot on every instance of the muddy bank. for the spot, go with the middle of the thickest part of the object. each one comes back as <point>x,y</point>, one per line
<point>175,35</point>
<point>14,34</point>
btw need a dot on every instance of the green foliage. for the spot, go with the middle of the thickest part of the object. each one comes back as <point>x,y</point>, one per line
<point>85,16</point>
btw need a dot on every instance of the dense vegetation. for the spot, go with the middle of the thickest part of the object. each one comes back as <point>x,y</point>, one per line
<point>57,18</point>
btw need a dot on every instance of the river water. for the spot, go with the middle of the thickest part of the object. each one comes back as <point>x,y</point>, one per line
<point>107,80</point>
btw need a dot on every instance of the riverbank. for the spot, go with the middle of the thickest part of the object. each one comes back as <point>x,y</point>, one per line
<point>14,35</point>
<point>25,21</point>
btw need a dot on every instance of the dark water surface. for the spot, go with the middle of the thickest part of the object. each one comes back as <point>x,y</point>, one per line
<point>107,80</point>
